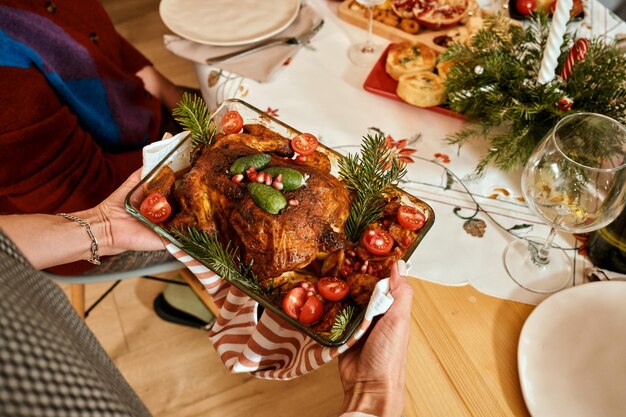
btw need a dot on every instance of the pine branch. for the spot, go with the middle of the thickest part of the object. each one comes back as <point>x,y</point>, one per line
<point>493,83</point>
<point>224,261</point>
<point>193,114</point>
<point>341,323</point>
<point>367,176</point>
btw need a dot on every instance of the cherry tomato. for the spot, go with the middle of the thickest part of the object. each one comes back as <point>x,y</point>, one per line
<point>304,144</point>
<point>525,7</point>
<point>299,305</point>
<point>155,208</point>
<point>410,218</point>
<point>311,310</point>
<point>232,122</point>
<point>333,288</point>
<point>377,241</point>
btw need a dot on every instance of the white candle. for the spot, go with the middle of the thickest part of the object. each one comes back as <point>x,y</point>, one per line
<point>555,39</point>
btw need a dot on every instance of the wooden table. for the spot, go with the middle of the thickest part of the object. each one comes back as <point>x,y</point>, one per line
<point>462,358</point>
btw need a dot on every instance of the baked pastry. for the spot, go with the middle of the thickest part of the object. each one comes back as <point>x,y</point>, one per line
<point>422,89</point>
<point>443,68</point>
<point>408,57</point>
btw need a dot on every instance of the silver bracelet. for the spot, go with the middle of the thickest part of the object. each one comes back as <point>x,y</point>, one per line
<point>95,258</point>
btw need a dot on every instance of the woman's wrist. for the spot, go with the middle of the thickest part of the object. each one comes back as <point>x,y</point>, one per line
<point>374,398</point>
<point>101,229</point>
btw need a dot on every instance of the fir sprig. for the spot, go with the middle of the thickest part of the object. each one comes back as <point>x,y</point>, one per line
<point>341,322</point>
<point>494,84</point>
<point>193,115</point>
<point>224,261</point>
<point>367,175</point>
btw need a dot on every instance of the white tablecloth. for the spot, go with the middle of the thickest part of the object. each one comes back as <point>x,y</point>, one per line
<point>321,92</point>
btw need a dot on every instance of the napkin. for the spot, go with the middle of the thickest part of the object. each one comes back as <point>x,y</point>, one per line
<point>259,66</point>
<point>599,274</point>
<point>269,347</point>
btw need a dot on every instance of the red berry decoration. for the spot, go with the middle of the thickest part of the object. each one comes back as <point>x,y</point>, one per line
<point>576,54</point>
<point>565,103</point>
<point>525,7</point>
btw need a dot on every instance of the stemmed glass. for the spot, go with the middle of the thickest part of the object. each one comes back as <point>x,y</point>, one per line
<point>576,181</point>
<point>364,54</point>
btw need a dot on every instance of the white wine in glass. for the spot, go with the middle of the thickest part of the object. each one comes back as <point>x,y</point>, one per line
<point>364,54</point>
<point>576,181</point>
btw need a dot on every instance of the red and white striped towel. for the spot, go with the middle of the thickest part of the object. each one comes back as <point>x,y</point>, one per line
<point>269,348</point>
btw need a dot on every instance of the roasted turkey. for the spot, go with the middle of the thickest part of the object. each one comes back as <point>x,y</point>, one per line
<point>209,200</point>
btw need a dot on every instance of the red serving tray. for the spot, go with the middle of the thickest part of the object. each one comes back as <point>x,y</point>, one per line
<point>379,82</point>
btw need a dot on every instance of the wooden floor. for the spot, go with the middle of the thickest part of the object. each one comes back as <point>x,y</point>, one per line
<point>175,369</point>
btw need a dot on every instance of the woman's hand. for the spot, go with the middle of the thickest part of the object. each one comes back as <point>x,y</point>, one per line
<point>372,373</point>
<point>119,231</point>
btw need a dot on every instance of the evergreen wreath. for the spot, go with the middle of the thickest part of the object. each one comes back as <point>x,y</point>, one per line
<point>494,84</point>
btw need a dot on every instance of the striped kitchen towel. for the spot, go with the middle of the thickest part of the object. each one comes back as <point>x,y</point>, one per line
<point>269,348</point>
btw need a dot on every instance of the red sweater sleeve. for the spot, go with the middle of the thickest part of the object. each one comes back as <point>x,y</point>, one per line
<point>49,163</point>
<point>132,59</point>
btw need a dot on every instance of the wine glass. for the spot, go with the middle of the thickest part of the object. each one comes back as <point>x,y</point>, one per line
<point>364,54</point>
<point>576,181</point>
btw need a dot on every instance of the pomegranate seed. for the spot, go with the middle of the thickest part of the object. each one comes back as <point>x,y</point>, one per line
<point>261,177</point>
<point>251,169</point>
<point>293,202</point>
<point>351,253</point>
<point>364,267</point>
<point>277,185</point>
<point>370,270</point>
<point>347,262</point>
<point>237,178</point>
<point>357,265</point>
<point>268,179</point>
<point>344,272</point>
<point>279,178</point>
<point>252,175</point>
<point>406,241</point>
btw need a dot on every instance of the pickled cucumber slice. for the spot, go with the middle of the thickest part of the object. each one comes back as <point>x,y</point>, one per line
<point>292,179</point>
<point>267,197</point>
<point>242,164</point>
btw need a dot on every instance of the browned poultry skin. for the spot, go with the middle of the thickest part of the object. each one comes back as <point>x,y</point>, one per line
<point>260,138</point>
<point>277,243</point>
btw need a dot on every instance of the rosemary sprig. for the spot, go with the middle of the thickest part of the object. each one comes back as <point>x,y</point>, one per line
<point>341,322</point>
<point>224,261</point>
<point>367,176</point>
<point>193,115</point>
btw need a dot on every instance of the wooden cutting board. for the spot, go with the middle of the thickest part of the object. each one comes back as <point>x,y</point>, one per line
<point>394,34</point>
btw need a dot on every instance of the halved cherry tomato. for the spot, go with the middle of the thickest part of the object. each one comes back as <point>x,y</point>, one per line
<point>311,310</point>
<point>232,122</point>
<point>410,218</point>
<point>302,307</point>
<point>155,208</point>
<point>377,241</point>
<point>304,144</point>
<point>333,288</point>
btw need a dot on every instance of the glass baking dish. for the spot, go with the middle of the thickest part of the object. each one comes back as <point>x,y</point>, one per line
<point>176,159</point>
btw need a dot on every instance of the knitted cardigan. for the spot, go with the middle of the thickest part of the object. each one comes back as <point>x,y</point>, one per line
<point>74,115</point>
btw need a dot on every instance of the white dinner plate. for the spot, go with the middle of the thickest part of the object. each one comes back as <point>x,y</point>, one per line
<point>572,353</point>
<point>228,22</point>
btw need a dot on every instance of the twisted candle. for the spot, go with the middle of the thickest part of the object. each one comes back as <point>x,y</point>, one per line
<point>555,39</point>
<point>576,54</point>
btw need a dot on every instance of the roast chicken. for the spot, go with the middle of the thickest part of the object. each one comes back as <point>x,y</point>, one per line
<point>208,199</point>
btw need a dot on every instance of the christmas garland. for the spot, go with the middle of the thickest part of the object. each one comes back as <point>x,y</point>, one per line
<point>494,84</point>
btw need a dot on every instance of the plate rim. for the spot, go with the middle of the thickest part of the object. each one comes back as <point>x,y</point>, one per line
<point>533,317</point>
<point>298,8</point>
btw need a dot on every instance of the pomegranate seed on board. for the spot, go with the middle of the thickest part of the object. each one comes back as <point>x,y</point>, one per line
<point>237,178</point>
